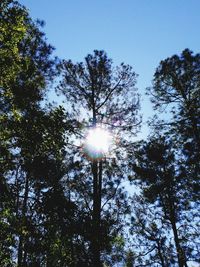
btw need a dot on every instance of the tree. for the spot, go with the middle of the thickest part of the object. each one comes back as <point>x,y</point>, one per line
<point>149,232</point>
<point>163,184</point>
<point>176,88</point>
<point>12,32</point>
<point>107,98</point>
<point>26,67</point>
<point>42,167</point>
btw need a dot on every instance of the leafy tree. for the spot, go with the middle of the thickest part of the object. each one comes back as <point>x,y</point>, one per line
<point>163,184</point>
<point>176,82</point>
<point>176,88</point>
<point>149,231</point>
<point>63,204</point>
<point>26,67</point>
<point>12,31</point>
<point>105,97</point>
<point>41,157</point>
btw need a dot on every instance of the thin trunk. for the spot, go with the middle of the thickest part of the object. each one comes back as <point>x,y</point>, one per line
<point>180,253</point>
<point>160,254</point>
<point>20,252</point>
<point>17,192</point>
<point>99,206</point>
<point>96,200</point>
<point>24,210</point>
<point>100,188</point>
<point>96,216</point>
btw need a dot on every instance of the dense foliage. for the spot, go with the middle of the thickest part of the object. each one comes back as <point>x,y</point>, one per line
<point>62,205</point>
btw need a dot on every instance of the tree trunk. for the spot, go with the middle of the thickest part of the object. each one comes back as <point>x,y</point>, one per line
<point>160,254</point>
<point>180,253</point>
<point>96,217</point>
<point>24,210</point>
<point>97,184</point>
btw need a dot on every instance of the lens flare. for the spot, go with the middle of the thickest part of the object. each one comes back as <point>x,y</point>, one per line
<point>97,143</point>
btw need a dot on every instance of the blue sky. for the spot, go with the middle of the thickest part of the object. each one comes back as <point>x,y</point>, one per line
<point>137,32</point>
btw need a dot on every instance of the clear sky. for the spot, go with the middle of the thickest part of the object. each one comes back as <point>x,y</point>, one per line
<point>137,32</point>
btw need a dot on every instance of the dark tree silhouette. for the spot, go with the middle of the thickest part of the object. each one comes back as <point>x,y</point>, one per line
<point>106,96</point>
<point>62,205</point>
<point>176,88</point>
<point>164,185</point>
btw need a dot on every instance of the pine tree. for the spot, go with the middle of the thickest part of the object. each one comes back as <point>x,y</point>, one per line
<point>163,184</point>
<point>105,97</point>
<point>176,89</point>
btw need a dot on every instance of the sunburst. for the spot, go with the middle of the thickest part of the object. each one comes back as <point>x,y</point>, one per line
<point>97,142</point>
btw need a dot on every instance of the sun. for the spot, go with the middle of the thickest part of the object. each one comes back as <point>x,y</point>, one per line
<point>97,142</point>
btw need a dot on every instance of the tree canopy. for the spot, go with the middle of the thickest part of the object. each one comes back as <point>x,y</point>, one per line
<point>64,204</point>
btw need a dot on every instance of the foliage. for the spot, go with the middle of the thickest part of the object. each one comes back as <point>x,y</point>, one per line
<point>167,165</point>
<point>107,97</point>
<point>60,206</point>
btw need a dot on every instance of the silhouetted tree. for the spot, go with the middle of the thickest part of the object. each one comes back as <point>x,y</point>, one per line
<point>149,231</point>
<point>26,67</point>
<point>164,185</point>
<point>176,89</point>
<point>105,97</point>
